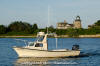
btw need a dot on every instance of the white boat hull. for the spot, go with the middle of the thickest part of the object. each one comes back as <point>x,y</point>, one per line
<point>25,52</point>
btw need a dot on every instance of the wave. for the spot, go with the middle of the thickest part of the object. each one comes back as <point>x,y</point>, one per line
<point>90,53</point>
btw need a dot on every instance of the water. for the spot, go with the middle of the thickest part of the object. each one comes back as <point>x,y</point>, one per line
<point>90,48</point>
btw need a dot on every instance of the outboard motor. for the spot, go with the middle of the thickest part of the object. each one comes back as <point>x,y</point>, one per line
<point>75,47</point>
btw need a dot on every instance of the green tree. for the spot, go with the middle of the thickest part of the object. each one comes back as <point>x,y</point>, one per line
<point>34,28</point>
<point>97,23</point>
<point>95,29</point>
<point>73,32</point>
<point>19,26</point>
<point>61,31</point>
<point>2,29</point>
<point>51,29</point>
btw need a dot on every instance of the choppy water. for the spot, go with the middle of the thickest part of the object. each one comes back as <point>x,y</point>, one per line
<point>90,48</point>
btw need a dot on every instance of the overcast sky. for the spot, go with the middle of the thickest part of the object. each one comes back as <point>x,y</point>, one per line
<point>36,11</point>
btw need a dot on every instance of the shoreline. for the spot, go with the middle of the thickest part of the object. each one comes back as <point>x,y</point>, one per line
<point>17,36</point>
<point>80,36</point>
<point>59,36</point>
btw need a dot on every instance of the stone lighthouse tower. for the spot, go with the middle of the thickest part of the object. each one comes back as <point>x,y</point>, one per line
<point>77,22</point>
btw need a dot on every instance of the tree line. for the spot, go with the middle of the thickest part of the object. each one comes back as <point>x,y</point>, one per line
<point>24,28</point>
<point>18,28</point>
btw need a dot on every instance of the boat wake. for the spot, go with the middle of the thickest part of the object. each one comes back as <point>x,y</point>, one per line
<point>92,53</point>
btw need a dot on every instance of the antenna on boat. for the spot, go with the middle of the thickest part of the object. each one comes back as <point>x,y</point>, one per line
<point>56,43</point>
<point>56,40</point>
<point>48,19</point>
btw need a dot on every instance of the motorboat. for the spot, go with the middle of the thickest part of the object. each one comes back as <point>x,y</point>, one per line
<point>39,48</point>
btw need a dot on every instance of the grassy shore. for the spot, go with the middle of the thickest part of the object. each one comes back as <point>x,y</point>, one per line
<point>60,36</point>
<point>17,36</point>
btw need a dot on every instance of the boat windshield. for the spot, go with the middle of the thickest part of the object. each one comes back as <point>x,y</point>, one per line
<point>31,43</point>
<point>39,45</point>
<point>40,38</point>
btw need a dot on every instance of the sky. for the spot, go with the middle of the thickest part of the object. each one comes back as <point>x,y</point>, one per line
<point>36,11</point>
